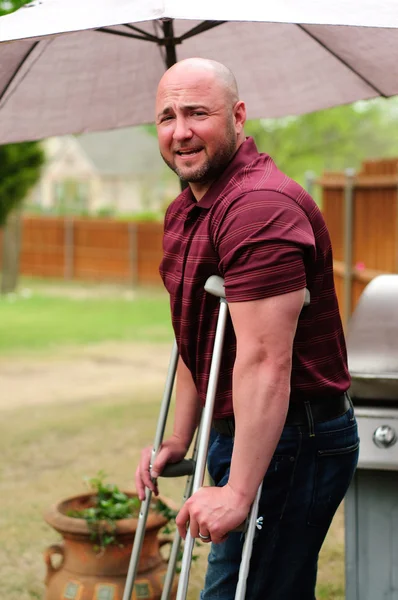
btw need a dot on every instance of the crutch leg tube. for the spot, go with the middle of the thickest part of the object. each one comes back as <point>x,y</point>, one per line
<point>240,592</point>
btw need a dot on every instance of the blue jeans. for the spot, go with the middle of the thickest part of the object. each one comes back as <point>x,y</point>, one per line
<point>306,481</point>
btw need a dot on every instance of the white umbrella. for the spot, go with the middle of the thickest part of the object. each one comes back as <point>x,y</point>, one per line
<point>69,66</point>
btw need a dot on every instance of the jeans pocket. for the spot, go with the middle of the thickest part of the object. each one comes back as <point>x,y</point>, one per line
<point>334,469</point>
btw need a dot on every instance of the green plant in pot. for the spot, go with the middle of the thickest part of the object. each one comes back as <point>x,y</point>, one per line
<point>98,530</point>
<point>109,506</point>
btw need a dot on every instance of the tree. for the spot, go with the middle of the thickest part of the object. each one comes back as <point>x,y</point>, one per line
<point>331,139</point>
<point>20,166</point>
<point>19,170</point>
<point>7,6</point>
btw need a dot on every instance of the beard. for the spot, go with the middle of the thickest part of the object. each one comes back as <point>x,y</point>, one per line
<point>212,166</point>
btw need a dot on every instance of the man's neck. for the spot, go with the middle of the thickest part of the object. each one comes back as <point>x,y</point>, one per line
<point>199,190</point>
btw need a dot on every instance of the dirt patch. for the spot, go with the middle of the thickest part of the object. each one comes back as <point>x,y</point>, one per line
<point>84,373</point>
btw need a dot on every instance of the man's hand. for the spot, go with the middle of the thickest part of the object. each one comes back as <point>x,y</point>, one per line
<point>214,512</point>
<point>171,451</point>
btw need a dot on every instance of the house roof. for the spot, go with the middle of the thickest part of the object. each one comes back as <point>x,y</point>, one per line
<point>130,151</point>
<point>67,158</point>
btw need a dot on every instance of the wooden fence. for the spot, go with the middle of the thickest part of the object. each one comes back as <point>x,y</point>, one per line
<point>91,249</point>
<point>361,212</point>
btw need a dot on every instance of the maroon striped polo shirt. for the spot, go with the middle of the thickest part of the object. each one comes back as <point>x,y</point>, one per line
<point>265,236</point>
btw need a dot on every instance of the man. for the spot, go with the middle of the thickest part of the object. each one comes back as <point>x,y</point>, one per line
<point>282,413</point>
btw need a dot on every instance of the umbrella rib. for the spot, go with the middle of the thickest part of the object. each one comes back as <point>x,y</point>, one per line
<point>340,59</point>
<point>125,34</point>
<point>148,36</point>
<point>17,70</point>
<point>201,28</point>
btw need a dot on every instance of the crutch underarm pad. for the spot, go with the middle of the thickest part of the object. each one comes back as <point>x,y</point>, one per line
<point>215,286</point>
<point>184,467</point>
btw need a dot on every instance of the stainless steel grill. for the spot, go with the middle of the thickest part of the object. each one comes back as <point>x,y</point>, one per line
<point>371,515</point>
<point>372,343</point>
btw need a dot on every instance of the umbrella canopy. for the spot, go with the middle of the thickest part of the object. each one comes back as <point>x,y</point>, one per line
<point>69,66</point>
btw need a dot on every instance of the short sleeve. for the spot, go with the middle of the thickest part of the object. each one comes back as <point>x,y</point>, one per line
<point>263,240</point>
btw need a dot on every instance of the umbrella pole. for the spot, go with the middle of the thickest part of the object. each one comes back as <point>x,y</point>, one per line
<point>169,43</point>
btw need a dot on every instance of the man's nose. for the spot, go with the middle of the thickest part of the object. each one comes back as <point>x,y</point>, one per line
<point>182,130</point>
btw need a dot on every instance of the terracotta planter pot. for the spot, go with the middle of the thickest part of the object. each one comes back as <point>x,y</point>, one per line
<point>75,571</point>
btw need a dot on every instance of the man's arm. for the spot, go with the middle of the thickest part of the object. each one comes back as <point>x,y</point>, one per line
<point>265,331</point>
<point>186,419</point>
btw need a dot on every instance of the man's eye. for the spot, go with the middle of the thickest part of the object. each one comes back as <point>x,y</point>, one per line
<point>199,113</point>
<point>166,118</point>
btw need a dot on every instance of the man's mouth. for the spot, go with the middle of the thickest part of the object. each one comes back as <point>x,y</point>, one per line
<point>188,152</point>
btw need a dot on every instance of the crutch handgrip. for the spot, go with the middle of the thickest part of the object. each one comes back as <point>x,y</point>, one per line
<point>180,469</point>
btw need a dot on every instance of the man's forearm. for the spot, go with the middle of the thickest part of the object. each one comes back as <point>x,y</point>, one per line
<point>260,398</point>
<point>187,411</point>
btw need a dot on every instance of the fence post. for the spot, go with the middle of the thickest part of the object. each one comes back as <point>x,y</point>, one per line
<point>133,251</point>
<point>309,182</point>
<point>348,240</point>
<point>69,246</point>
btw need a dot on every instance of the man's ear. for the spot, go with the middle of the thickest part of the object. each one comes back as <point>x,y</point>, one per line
<point>239,116</point>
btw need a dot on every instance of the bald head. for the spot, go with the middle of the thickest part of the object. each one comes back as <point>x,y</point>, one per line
<point>199,120</point>
<point>204,69</point>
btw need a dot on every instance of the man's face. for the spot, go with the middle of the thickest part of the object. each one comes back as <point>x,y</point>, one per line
<point>196,127</point>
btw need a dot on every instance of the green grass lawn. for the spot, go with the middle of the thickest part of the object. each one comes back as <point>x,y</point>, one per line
<point>43,319</point>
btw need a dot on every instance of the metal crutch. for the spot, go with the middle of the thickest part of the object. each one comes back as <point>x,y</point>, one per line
<point>214,285</point>
<point>184,467</point>
<point>143,514</point>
